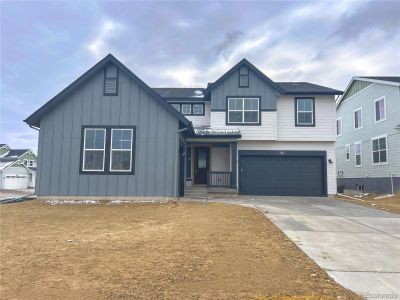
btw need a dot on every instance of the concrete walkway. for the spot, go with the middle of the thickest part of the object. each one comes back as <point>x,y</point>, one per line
<point>358,247</point>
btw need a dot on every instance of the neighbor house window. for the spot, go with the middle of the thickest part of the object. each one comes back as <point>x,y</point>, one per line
<point>339,127</point>
<point>380,110</point>
<point>348,148</point>
<point>379,150</point>
<point>243,77</point>
<point>25,162</point>
<point>121,150</point>
<point>186,109</point>
<point>305,115</point>
<point>94,149</point>
<point>111,80</point>
<point>108,149</point>
<point>358,153</point>
<point>243,111</point>
<point>31,163</point>
<point>358,119</point>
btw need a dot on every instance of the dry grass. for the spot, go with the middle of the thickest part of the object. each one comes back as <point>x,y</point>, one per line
<point>150,251</point>
<point>391,204</point>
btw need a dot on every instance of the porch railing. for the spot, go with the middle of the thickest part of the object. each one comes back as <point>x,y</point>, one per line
<point>219,179</point>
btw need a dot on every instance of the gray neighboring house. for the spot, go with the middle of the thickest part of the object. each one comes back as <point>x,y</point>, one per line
<point>108,135</point>
<point>368,135</point>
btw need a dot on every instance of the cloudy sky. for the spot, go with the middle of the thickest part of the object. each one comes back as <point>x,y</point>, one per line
<point>47,45</point>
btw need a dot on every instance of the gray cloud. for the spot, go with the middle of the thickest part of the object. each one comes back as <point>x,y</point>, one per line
<point>229,40</point>
<point>381,15</point>
<point>47,45</point>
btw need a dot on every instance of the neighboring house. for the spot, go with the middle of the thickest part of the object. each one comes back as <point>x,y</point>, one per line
<point>13,174</point>
<point>4,148</point>
<point>368,129</point>
<point>110,135</point>
<point>26,157</point>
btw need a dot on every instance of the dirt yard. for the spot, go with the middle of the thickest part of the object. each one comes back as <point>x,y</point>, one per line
<point>391,204</point>
<point>149,251</point>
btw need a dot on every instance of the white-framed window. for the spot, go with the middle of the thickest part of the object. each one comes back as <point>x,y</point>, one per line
<point>379,150</point>
<point>121,150</point>
<point>358,122</point>
<point>25,162</point>
<point>198,109</point>
<point>358,154</point>
<point>94,146</point>
<point>339,126</point>
<point>305,115</point>
<point>31,163</point>
<point>380,109</point>
<point>243,111</point>
<point>348,149</point>
<point>186,109</point>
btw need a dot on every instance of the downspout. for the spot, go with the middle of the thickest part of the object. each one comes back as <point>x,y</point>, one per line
<point>176,162</point>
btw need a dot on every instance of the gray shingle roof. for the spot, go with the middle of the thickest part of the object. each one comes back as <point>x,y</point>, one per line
<point>303,88</point>
<point>169,92</point>
<point>16,152</point>
<point>384,78</point>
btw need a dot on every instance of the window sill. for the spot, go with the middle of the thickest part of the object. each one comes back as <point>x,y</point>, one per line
<point>380,164</point>
<point>380,121</point>
<point>355,129</point>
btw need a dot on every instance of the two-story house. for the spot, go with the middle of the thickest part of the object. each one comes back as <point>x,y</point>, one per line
<point>13,175</point>
<point>368,135</point>
<point>110,135</point>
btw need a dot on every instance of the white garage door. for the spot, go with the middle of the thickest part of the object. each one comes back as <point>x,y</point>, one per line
<point>14,182</point>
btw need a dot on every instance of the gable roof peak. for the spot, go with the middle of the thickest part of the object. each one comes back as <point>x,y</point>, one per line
<point>34,119</point>
<point>251,67</point>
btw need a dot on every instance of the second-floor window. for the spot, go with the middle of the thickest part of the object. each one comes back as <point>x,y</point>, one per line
<point>358,124</point>
<point>189,109</point>
<point>339,127</point>
<point>305,115</point>
<point>380,110</point>
<point>186,109</point>
<point>243,111</point>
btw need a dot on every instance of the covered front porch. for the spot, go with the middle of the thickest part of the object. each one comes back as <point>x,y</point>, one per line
<point>211,160</point>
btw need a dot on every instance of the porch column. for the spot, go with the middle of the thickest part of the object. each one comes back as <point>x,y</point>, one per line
<point>234,163</point>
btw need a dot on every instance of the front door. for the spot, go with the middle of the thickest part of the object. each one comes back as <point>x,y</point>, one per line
<point>201,164</point>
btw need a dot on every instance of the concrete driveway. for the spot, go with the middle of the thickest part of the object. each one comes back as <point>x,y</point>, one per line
<point>357,246</point>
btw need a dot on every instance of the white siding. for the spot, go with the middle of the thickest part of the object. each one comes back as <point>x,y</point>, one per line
<point>265,131</point>
<point>325,120</point>
<point>202,120</point>
<point>329,147</point>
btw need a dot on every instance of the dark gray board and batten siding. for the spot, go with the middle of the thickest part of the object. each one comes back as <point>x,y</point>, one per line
<point>257,88</point>
<point>60,142</point>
